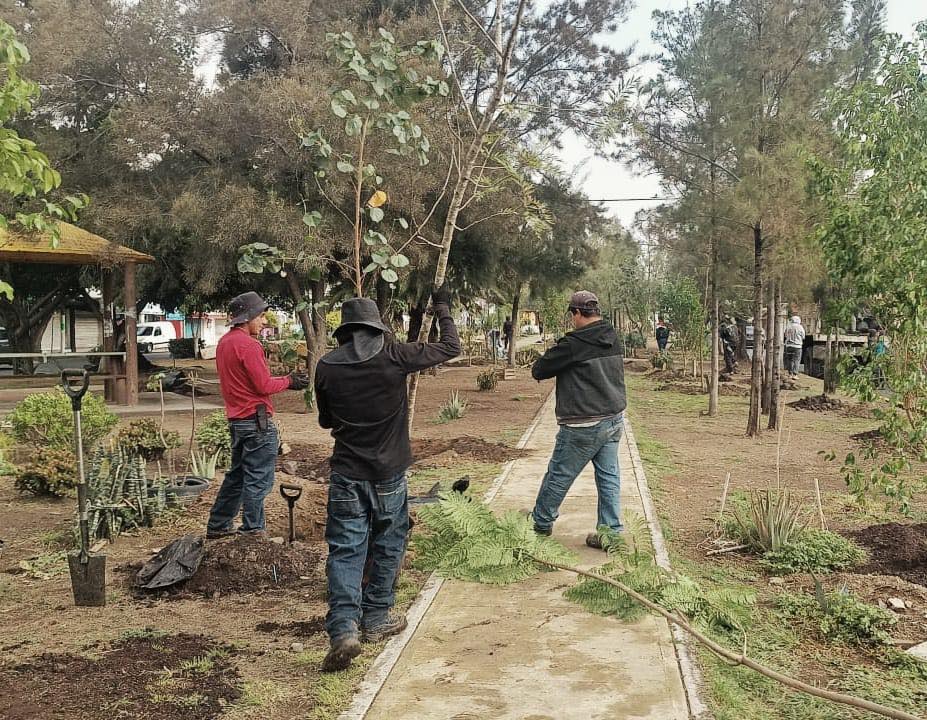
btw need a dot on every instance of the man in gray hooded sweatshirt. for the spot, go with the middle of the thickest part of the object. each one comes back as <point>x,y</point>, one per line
<point>360,390</point>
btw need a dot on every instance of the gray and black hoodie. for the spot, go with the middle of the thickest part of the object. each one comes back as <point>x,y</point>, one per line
<point>589,368</point>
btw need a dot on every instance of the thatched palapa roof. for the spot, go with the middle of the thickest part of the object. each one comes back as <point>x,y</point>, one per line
<point>76,247</point>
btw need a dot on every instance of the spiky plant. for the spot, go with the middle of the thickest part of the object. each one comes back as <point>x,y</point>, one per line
<point>454,409</point>
<point>772,521</point>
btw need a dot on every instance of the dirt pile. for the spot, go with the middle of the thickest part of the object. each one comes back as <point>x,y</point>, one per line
<point>681,388</point>
<point>297,628</point>
<point>308,515</point>
<point>825,403</point>
<point>174,677</point>
<point>895,549</point>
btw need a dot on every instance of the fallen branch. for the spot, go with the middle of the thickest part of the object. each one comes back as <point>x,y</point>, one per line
<point>734,658</point>
<point>730,548</point>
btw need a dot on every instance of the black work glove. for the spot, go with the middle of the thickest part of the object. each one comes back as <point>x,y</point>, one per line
<point>441,296</point>
<point>299,380</point>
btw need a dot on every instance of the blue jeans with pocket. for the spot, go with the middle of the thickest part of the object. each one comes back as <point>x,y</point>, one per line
<point>363,513</point>
<point>249,479</point>
<point>574,449</point>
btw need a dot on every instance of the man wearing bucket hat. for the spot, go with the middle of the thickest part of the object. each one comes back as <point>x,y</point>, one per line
<point>591,399</point>
<point>360,390</point>
<point>246,385</point>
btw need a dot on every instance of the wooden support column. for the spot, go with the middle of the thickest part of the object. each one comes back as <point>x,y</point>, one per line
<point>109,365</point>
<point>128,290</point>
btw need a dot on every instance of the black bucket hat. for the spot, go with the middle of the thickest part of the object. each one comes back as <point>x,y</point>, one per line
<point>245,307</point>
<point>360,311</point>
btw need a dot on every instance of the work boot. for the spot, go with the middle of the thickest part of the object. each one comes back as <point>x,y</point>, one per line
<point>343,650</point>
<point>594,540</point>
<point>393,625</point>
<point>546,532</point>
<point>217,534</point>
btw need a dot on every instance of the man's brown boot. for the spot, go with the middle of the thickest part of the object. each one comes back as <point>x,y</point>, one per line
<point>341,653</point>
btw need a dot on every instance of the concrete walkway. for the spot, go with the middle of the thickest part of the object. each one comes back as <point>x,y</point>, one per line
<point>524,652</point>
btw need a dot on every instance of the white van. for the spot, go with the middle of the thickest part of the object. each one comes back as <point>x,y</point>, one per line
<point>154,336</point>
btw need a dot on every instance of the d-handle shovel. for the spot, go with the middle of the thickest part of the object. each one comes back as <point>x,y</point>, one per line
<point>291,493</point>
<point>88,571</point>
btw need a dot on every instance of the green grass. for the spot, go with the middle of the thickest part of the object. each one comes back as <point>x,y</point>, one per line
<point>421,479</point>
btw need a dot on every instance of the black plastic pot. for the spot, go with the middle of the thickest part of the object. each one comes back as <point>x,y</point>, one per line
<point>187,488</point>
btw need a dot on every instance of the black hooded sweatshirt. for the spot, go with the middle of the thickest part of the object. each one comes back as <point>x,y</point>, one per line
<point>362,398</point>
<point>589,369</point>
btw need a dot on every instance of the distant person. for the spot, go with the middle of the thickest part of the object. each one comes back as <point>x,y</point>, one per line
<point>361,393</point>
<point>794,336</point>
<point>591,399</point>
<point>729,336</point>
<point>507,331</point>
<point>246,385</point>
<point>662,334</point>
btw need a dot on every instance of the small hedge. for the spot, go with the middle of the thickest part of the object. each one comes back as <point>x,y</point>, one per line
<point>50,472</point>
<point>45,420</point>
<point>814,551</point>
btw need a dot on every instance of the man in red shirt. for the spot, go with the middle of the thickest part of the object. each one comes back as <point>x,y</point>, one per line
<point>246,385</point>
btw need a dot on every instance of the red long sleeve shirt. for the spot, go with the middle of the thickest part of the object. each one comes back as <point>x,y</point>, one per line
<point>244,378</point>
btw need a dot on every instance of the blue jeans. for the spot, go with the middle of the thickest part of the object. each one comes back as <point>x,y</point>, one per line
<point>249,479</point>
<point>574,448</point>
<point>362,513</point>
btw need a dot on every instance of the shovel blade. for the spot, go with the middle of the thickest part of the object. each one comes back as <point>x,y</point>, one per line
<point>88,579</point>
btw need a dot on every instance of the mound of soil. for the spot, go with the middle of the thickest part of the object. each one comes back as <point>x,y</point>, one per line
<point>309,515</point>
<point>733,390</point>
<point>636,365</point>
<point>824,403</point>
<point>895,549</point>
<point>666,375</point>
<point>311,461</point>
<point>297,628</point>
<point>681,388</point>
<point>141,677</point>
<point>243,565</point>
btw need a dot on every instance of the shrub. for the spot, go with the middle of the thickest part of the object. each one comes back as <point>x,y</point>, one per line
<point>212,436</point>
<point>144,437</point>
<point>183,348</point>
<point>771,522</point>
<point>662,361</point>
<point>839,616</point>
<point>814,551</point>
<point>487,380</point>
<point>45,420</point>
<point>51,472</point>
<point>454,409</point>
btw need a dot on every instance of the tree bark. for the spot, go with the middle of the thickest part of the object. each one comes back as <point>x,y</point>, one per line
<point>513,343</point>
<point>830,354</point>
<point>776,341</point>
<point>383,298</point>
<point>769,347</point>
<point>756,368</point>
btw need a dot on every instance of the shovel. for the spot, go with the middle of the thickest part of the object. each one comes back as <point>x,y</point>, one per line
<point>88,570</point>
<point>291,493</point>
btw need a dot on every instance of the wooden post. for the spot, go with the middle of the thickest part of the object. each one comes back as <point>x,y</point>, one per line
<point>109,365</point>
<point>128,290</point>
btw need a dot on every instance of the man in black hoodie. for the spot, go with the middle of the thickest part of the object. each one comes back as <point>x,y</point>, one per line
<point>589,368</point>
<point>360,390</point>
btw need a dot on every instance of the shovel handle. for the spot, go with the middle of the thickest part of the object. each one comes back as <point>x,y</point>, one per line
<point>291,493</point>
<point>75,392</point>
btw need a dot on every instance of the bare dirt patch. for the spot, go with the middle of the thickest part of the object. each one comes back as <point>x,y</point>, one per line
<point>176,677</point>
<point>297,628</point>
<point>827,403</point>
<point>895,549</point>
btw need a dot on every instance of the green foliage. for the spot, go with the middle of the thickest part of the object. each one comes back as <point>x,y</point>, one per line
<point>212,436</point>
<point>454,409</point>
<point>51,471</point>
<point>144,437</point>
<point>181,348</point>
<point>874,237</point>
<point>45,420</point>
<point>814,551</point>
<point>771,522</point>
<point>680,303</point>
<point>465,540</point>
<point>25,172</point>
<point>631,562</point>
<point>662,361</point>
<point>839,617</point>
<point>487,379</point>
<point>119,494</point>
<point>203,464</point>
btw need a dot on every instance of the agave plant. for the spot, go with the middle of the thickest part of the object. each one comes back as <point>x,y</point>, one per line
<point>772,521</point>
<point>204,465</point>
<point>454,409</point>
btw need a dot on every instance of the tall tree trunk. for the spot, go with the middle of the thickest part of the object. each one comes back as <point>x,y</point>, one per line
<point>776,342</point>
<point>383,298</point>
<point>513,343</point>
<point>467,166</point>
<point>714,309</point>
<point>830,361</point>
<point>319,341</point>
<point>770,343</point>
<point>756,369</point>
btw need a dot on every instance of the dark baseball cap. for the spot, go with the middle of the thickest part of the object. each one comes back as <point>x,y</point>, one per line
<point>584,300</point>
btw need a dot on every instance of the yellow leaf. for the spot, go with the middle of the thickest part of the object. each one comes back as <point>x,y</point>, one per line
<point>377,199</point>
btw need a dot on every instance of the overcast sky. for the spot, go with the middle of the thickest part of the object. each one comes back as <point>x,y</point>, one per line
<point>610,179</point>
